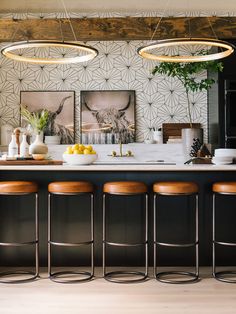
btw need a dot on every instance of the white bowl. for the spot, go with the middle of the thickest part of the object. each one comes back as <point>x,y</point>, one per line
<point>225,152</point>
<point>77,159</point>
<point>222,160</point>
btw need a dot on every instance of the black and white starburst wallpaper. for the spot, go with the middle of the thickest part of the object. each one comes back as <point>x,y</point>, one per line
<point>159,99</point>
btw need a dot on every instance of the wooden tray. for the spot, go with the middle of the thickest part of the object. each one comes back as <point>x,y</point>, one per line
<point>30,162</point>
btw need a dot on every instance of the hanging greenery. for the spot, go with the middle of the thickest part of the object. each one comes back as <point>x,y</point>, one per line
<point>186,73</point>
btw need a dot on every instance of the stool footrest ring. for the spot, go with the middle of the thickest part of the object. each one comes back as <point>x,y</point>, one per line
<point>113,276</point>
<point>57,276</point>
<point>176,244</point>
<point>193,277</point>
<point>125,244</point>
<point>5,274</point>
<point>70,244</point>
<point>222,276</point>
<point>18,243</point>
<point>225,243</point>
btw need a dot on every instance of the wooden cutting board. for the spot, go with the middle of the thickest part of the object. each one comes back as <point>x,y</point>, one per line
<point>30,162</point>
<point>174,129</point>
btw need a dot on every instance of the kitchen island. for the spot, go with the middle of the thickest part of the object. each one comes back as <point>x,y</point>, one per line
<point>204,175</point>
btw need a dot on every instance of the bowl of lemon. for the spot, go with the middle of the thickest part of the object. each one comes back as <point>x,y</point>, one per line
<point>80,154</point>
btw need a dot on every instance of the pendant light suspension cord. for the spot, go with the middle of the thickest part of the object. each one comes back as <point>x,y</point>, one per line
<point>160,19</point>
<point>69,19</point>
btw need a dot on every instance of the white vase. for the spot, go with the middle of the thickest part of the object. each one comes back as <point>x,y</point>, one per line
<point>38,147</point>
<point>188,136</point>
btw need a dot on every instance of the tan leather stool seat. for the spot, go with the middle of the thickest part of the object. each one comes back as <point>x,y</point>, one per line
<point>125,187</point>
<point>224,187</point>
<point>68,187</point>
<point>19,187</point>
<point>175,187</point>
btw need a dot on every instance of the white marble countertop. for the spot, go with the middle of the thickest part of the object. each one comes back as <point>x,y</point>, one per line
<point>144,155</point>
<point>178,167</point>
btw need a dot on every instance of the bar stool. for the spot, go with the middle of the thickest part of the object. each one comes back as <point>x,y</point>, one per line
<point>124,188</point>
<point>176,189</point>
<point>21,188</point>
<point>221,188</point>
<point>64,189</point>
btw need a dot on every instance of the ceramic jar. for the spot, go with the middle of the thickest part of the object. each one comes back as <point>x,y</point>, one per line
<point>38,147</point>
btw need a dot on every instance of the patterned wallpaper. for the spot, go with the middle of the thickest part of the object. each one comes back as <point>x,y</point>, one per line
<point>118,67</point>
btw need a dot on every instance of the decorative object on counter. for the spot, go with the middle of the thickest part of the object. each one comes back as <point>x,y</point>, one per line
<point>17,132</point>
<point>200,154</point>
<point>60,107</point>
<point>204,151</point>
<point>13,147</point>
<point>6,132</point>
<point>107,117</point>
<point>38,121</point>
<point>224,156</point>
<point>38,147</point>
<point>199,160</point>
<point>24,147</point>
<point>71,52</point>
<point>158,136</point>
<point>78,154</point>
<point>195,147</point>
<point>192,140</point>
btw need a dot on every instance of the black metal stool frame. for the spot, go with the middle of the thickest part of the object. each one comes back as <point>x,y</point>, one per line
<point>161,276</point>
<point>221,275</point>
<point>112,276</point>
<point>33,275</point>
<point>56,276</point>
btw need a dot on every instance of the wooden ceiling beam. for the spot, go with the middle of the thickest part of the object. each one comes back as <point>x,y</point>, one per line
<point>130,28</point>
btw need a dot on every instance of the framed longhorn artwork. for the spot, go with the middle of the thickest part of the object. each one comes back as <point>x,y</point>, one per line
<point>61,107</point>
<point>107,117</point>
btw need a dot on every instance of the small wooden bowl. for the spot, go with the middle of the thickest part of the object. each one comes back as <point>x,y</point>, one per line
<point>39,156</point>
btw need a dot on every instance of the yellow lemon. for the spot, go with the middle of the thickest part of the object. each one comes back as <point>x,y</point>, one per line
<point>93,152</point>
<point>89,147</point>
<point>81,147</point>
<point>77,151</point>
<point>75,147</point>
<point>86,152</point>
<point>69,150</point>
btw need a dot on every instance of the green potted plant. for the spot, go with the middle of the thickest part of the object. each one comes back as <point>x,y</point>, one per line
<point>38,122</point>
<point>186,73</point>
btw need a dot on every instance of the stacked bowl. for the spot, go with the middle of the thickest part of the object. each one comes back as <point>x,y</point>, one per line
<point>224,156</point>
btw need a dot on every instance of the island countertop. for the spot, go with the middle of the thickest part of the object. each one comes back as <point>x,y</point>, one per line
<point>126,167</point>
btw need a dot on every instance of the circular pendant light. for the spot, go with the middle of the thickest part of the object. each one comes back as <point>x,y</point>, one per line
<point>226,50</point>
<point>10,51</point>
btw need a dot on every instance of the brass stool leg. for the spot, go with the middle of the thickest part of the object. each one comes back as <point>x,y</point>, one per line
<point>58,276</point>
<point>33,274</point>
<point>161,276</point>
<point>113,276</point>
<point>221,275</point>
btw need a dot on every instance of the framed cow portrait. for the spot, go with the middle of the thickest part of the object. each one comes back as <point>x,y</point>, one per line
<point>61,107</point>
<point>107,117</point>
